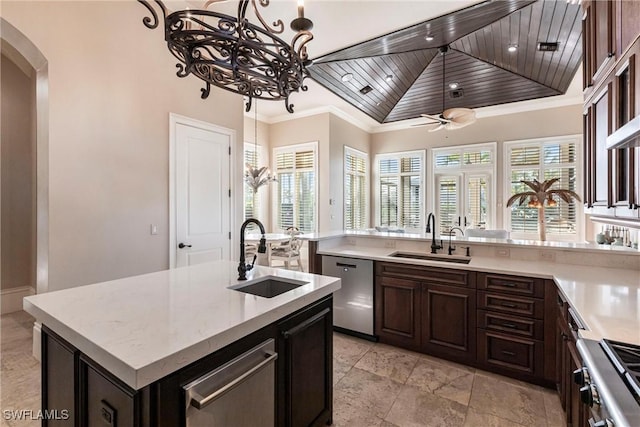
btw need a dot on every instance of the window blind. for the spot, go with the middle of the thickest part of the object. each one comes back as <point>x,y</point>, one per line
<point>296,194</point>
<point>400,187</point>
<point>447,194</point>
<point>355,190</point>
<point>543,161</point>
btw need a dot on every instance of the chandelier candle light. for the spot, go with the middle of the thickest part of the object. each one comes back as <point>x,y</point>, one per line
<point>235,54</point>
<point>541,193</point>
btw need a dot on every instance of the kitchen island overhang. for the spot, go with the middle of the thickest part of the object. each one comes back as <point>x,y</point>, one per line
<point>145,327</point>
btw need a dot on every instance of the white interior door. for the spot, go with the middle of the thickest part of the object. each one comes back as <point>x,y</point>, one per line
<point>202,195</point>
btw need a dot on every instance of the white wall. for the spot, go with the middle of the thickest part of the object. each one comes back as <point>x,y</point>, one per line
<point>18,175</point>
<point>309,129</point>
<point>342,134</point>
<point>112,85</point>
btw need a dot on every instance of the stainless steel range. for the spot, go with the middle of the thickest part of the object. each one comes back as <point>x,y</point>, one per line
<point>610,382</point>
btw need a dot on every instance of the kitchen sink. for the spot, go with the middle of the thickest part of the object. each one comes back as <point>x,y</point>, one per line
<point>268,286</point>
<point>432,257</point>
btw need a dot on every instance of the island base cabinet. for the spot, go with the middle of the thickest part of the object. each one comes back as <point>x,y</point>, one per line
<point>108,404</point>
<point>305,352</point>
<point>84,394</point>
<point>59,365</point>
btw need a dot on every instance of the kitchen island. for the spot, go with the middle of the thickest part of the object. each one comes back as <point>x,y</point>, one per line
<point>143,338</point>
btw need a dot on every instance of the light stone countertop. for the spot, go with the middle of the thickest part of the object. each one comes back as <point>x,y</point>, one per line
<point>607,300</point>
<point>145,327</point>
<point>531,244</point>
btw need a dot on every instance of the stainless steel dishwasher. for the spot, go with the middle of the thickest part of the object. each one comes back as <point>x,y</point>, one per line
<point>353,303</point>
<point>239,393</point>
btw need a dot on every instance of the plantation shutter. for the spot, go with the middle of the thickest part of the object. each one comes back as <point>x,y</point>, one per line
<point>355,189</point>
<point>400,187</point>
<point>296,190</point>
<point>544,161</point>
<point>251,200</point>
<point>447,203</point>
<point>477,201</point>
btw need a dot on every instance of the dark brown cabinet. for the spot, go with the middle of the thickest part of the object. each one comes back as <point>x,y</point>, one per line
<point>397,310</point>
<point>515,331</point>
<point>305,351</point>
<point>427,309</point>
<point>94,397</point>
<point>60,362</point>
<point>448,321</point>
<point>611,46</point>
<point>568,361</point>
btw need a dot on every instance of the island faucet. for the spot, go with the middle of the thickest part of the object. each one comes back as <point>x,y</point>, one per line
<point>434,246</point>
<point>452,232</point>
<point>262,248</point>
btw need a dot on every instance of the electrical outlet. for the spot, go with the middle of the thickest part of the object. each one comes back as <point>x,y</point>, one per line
<point>548,256</point>
<point>351,241</point>
<point>390,244</point>
<point>153,229</point>
<point>503,252</point>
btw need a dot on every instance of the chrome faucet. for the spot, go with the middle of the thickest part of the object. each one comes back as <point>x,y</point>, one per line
<point>262,248</point>
<point>452,232</point>
<point>434,246</point>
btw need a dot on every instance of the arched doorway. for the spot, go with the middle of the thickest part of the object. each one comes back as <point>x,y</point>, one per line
<point>12,37</point>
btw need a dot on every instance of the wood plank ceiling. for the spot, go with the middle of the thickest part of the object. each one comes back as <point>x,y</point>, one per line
<point>404,69</point>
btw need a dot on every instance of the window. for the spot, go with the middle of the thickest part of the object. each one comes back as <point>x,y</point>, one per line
<point>355,189</point>
<point>251,200</point>
<point>295,191</point>
<point>542,160</point>
<point>463,178</point>
<point>399,193</point>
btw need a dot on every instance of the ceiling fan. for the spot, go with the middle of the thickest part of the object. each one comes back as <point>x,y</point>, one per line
<point>452,118</point>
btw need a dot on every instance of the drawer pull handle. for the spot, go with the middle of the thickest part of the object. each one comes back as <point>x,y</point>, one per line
<point>508,353</point>
<point>341,264</point>
<point>508,304</point>
<point>509,285</point>
<point>510,325</point>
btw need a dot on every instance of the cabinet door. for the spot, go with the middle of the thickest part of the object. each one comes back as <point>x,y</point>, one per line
<point>305,352</point>
<point>106,402</point>
<point>602,30</point>
<point>449,321</point>
<point>59,387</point>
<point>600,166</point>
<point>576,409</point>
<point>398,312</point>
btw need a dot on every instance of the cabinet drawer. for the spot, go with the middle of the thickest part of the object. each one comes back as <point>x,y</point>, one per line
<point>442,276</point>
<point>509,353</point>
<point>523,306</point>
<point>516,285</point>
<point>512,325</point>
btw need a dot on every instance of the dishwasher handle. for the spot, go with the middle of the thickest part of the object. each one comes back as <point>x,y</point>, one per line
<point>206,389</point>
<point>342,264</point>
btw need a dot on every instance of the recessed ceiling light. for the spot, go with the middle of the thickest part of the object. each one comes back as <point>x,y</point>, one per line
<point>453,85</point>
<point>389,77</point>
<point>429,38</point>
<point>347,77</point>
<point>512,47</point>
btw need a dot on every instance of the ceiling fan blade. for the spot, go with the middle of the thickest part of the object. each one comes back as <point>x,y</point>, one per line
<point>441,126</point>
<point>438,119</point>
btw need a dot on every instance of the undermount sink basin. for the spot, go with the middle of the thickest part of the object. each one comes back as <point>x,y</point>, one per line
<point>268,286</point>
<point>432,257</point>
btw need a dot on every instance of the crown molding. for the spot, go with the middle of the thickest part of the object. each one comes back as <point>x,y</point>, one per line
<point>322,110</point>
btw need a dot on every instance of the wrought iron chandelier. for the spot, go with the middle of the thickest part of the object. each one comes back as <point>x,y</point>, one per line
<point>234,54</point>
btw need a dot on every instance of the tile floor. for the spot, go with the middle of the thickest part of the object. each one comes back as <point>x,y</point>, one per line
<point>374,385</point>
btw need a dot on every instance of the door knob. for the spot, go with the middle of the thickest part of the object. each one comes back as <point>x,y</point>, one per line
<point>182,245</point>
